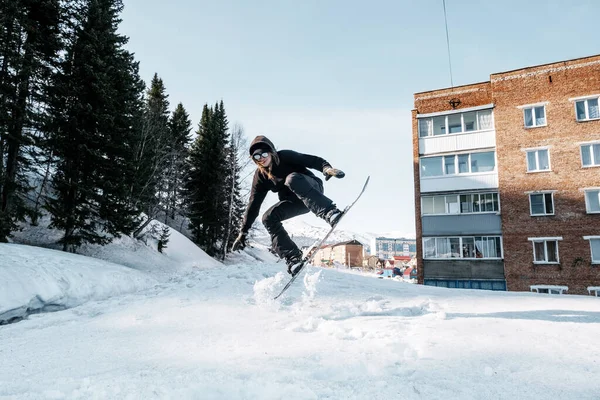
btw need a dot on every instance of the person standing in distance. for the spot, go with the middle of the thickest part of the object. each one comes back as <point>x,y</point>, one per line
<point>300,191</point>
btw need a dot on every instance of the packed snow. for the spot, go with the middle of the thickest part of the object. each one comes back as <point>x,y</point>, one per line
<point>206,330</point>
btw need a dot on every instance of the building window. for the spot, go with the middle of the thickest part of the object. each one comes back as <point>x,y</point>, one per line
<point>460,204</point>
<point>592,201</point>
<point>483,162</point>
<point>458,164</point>
<point>587,109</point>
<point>545,250</point>
<point>538,160</point>
<point>535,116</point>
<point>456,123</point>
<point>541,204</point>
<point>594,248</point>
<point>462,247</point>
<point>432,166</point>
<point>590,155</point>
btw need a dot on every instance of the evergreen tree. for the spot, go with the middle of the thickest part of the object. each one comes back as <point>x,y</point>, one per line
<point>152,151</point>
<point>180,127</point>
<point>95,109</point>
<point>29,46</point>
<point>205,186</point>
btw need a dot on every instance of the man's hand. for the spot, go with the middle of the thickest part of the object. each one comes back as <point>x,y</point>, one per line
<point>240,242</point>
<point>329,172</point>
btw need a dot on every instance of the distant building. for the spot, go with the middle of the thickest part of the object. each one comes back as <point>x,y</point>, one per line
<point>387,248</point>
<point>348,253</point>
<point>410,273</point>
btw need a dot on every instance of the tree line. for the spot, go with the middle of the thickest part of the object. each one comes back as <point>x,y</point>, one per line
<point>85,141</point>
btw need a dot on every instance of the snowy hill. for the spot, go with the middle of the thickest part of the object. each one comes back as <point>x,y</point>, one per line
<point>216,333</point>
<point>305,234</point>
<point>180,256</point>
<point>306,231</point>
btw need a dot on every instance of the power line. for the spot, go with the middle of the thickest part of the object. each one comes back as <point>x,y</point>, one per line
<point>448,43</point>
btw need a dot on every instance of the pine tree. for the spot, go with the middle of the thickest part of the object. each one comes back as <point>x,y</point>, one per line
<point>197,182</point>
<point>180,127</point>
<point>222,194</point>
<point>205,186</point>
<point>153,148</point>
<point>95,109</point>
<point>29,46</point>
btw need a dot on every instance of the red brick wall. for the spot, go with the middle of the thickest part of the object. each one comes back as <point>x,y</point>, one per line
<point>555,84</point>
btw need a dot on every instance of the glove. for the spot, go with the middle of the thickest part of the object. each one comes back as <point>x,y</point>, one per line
<point>240,242</point>
<point>329,172</point>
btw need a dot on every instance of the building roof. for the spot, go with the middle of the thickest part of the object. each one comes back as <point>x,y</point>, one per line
<point>402,258</point>
<point>354,241</point>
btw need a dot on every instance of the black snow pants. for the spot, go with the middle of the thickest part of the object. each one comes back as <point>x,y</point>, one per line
<point>307,196</point>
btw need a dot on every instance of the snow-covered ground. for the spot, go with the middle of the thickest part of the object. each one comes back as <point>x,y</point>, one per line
<point>212,331</point>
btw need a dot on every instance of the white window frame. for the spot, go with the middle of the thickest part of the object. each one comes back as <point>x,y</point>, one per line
<point>428,118</point>
<point>549,289</point>
<point>595,163</point>
<point>590,238</point>
<point>536,150</point>
<point>545,240</point>
<point>456,164</point>
<point>444,198</point>
<point>585,99</point>
<point>532,107</point>
<point>546,213</point>
<point>585,196</point>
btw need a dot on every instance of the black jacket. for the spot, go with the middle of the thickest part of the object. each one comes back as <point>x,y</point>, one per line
<point>289,161</point>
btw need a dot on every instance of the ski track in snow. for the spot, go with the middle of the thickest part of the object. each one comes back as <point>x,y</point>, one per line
<point>218,334</point>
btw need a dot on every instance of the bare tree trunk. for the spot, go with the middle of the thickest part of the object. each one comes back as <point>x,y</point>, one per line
<point>237,142</point>
<point>15,128</point>
<point>39,196</point>
<point>231,198</point>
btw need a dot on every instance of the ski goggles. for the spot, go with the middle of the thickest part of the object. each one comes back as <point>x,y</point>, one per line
<point>258,155</point>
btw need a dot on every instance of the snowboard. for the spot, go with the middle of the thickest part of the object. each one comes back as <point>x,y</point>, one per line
<point>317,245</point>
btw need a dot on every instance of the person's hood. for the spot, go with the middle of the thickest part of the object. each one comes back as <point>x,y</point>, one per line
<point>262,142</point>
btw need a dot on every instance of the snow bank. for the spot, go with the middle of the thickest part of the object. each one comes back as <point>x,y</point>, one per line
<point>180,257</point>
<point>34,279</point>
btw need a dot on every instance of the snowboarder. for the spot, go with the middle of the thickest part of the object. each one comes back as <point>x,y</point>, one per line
<point>300,191</point>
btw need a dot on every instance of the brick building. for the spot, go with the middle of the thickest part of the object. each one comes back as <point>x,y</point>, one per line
<point>348,253</point>
<point>507,180</point>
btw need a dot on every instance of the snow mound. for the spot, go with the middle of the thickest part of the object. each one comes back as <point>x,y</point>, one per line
<point>34,279</point>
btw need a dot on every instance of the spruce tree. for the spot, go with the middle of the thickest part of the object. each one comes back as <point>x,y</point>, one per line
<point>94,112</point>
<point>152,151</point>
<point>198,181</point>
<point>29,47</point>
<point>180,127</point>
<point>222,170</point>
<point>205,186</point>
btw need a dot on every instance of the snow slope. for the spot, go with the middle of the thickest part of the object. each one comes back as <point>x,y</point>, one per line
<point>216,333</point>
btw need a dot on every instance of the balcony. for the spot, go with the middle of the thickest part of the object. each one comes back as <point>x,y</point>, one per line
<point>461,224</point>
<point>457,142</point>
<point>480,180</point>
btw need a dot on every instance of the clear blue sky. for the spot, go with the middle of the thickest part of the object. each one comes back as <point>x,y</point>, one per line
<point>337,78</point>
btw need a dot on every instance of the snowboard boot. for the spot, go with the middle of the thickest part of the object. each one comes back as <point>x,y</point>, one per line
<point>333,216</point>
<point>294,263</point>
